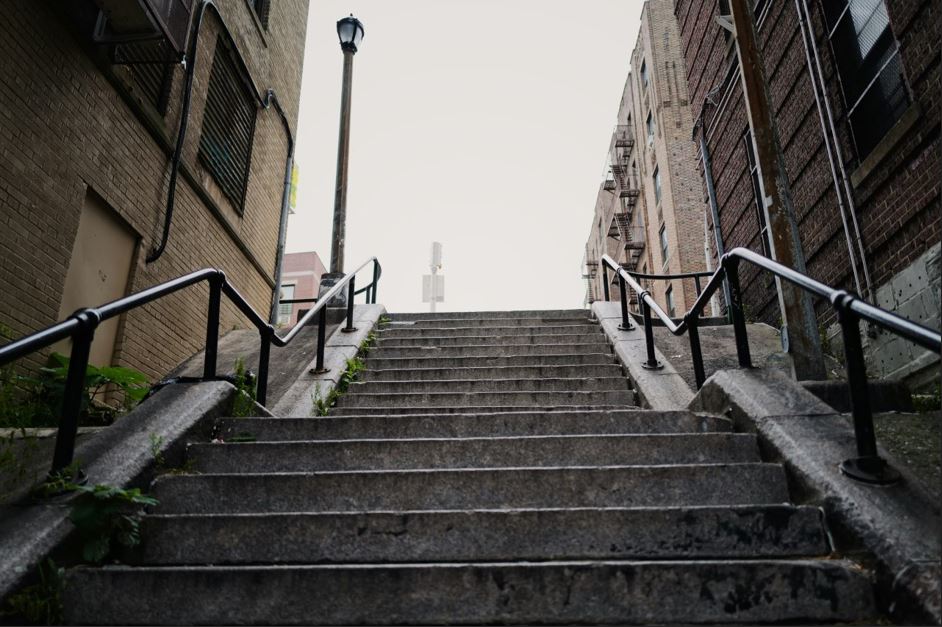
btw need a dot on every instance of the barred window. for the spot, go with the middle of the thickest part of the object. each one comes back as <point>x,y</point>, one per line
<point>662,237</point>
<point>869,68</point>
<point>261,8</point>
<point>228,127</point>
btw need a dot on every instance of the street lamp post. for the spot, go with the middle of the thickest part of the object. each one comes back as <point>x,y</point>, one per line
<point>350,32</point>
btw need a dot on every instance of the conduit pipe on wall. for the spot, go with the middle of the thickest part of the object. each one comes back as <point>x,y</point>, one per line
<point>265,102</point>
<point>829,135</point>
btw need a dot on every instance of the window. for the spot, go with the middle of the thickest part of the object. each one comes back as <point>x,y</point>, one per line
<point>669,297</point>
<point>869,68</point>
<point>657,186</point>
<point>757,193</point>
<point>649,124</point>
<point>284,311</point>
<point>228,127</point>
<point>665,251</point>
<point>261,8</point>
<point>644,74</point>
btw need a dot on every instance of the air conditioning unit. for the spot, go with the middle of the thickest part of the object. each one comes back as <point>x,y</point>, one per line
<point>166,22</point>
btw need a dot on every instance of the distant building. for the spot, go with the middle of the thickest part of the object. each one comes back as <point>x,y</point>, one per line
<point>300,278</point>
<point>854,92</point>
<point>91,94</point>
<point>649,209</point>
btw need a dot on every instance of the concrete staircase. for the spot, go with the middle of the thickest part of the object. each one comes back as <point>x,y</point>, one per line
<point>489,468</point>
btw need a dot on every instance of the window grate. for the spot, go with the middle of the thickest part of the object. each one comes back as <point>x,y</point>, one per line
<point>262,8</point>
<point>228,128</point>
<point>150,69</point>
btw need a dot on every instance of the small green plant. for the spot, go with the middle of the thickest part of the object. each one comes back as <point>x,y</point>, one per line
<point>245,383</point>
<point>924,403</point>
<point>367,344</point>
<point>320,404</point>
<point>156,449</point>
<point>41,602</point>
<point>384,319</point>
<point>107,515</point>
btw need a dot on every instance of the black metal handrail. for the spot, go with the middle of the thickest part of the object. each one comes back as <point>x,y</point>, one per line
<point>868,465</point>
<point>81,325</point>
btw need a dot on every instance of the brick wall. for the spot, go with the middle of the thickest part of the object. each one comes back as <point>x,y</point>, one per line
<point>71,124</point>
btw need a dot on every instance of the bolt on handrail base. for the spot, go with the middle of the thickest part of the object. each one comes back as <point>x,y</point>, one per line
<point>630,327</point>
<point>873,470</point>
<point>656,365</point>
<point>350,330</point>
<point>319,370</point>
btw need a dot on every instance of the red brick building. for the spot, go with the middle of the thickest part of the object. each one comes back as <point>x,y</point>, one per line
<point>854,92</point>
<point>300,278</point>
<point>91,94</point>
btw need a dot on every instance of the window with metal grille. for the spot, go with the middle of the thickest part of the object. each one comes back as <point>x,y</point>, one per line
<point>151,70</point>
<point>284,310</point>
<point>869,68</point>
<point>757,192</point>
<point>261,8</point>
<point>228,127</point>
<point>649,123</point>
<point>644,74</point>
<point>665,251</point>
<point>657,186</point>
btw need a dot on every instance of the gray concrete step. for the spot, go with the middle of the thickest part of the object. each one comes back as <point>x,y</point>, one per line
<point>487,350</point>
<point>394,331</point>
<point>440,410</point>
<point>583,592</point>
<point>430,323</point>
<point>535,361</point>
<point>516,339</point>
<point>545,384</point>
<point>747,532</point>
<point>493,452</point>
<point>542,314</point>
<point>498,372</point>
<point>607,486</point>
<point>477,399</point>
<point>469,425</point>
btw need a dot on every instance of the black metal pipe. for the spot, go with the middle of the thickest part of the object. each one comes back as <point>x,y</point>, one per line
<point>376,273</point>
<point>738,318</point>
<point>652,363</point>
<point>351,292</point>
<point>264,353</point>
<point>321,340</point>
<point>625,319</point>
<point>696,354</point>
<point>74,388</point>
<point>605,290</point>
<point>212,326</point>
<point>696,282</point>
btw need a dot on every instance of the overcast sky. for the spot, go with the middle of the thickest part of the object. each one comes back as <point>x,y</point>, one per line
<point>482,124</point>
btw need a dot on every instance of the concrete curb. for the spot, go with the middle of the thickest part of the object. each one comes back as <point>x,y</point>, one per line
<point>121,455</point>
<point>298,400</point>
<point>898,524</point>
<point>662,389</point>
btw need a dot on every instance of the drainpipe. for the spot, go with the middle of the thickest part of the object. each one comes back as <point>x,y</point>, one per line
<point>271,98</point>
<point>829,134</point>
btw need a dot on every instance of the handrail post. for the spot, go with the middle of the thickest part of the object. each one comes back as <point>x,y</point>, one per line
<point>212,326</point>
<point>350,293</point>
<point>74,386</point>
<point>695,353</point>
<point>264,351</point>
<point>868,466</point>
<point>735,307</point>
<point>321,340</point>
<point>652,363</point>
<point>696,282</point>
<point>625,320</point>
<point>375,282</point>
<point>605,289</point>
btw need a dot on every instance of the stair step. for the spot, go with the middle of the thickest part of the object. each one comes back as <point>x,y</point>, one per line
<point>384,351</point>
<point>534,321</point>
<point>513,339</point>
<point>514,452</point>
<point>473,399</point>
<point>583,592</point>
<point>396,332</point>
<point>469,425</point>
<point>427,410</point>
<point>496,372</point>
<point>607,486</point>
<point>485,535</point>
<point>542,314</point>
<point>534,361</point>
<point>582,384</point>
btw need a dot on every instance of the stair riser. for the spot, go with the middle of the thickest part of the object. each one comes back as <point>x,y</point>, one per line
<point>441,410</point>
<point>636,486</point>
<point>549,593</point>
<point>513,372</point>
<point>464,426</point>
<point>379,537</point>
<point>568,339</point>
<point>493,350</point>
<point>484,323</point>
<point>616,383</point>
<point>472,399</point>
<point>540,314</point>
<point>395,332</point>
<point>552,451</point>
<point>532,361</point>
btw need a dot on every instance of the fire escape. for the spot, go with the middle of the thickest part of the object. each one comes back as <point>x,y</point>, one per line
<point>626,185</point>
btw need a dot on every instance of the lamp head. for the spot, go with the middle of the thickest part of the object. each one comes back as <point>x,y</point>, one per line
<point>350,32</point>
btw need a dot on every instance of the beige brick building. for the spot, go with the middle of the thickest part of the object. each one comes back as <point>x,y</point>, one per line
<point>649,210</point>
<point>87,129</point>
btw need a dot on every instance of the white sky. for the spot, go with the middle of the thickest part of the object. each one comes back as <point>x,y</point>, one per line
<point>482,124</point>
